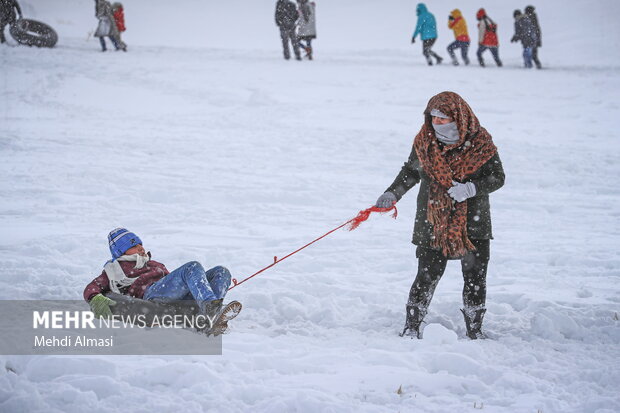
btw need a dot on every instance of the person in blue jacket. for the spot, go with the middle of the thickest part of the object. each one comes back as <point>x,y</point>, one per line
<point>427,27</point>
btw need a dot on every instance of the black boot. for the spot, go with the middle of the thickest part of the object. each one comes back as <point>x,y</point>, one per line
<point>473,322</point>
<point>413,322</point>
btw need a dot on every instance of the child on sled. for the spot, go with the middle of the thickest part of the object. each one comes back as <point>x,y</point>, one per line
<point>132,272</point>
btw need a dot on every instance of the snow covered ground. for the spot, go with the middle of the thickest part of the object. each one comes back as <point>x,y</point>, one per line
<point>211,147</point>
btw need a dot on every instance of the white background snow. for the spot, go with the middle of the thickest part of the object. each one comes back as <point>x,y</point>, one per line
<point>211,147</point>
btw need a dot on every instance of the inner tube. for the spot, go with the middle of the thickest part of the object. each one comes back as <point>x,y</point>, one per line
<point>33,33</point>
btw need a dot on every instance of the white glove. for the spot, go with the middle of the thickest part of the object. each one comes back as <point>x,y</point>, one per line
<point>460,192</point>
<point>387,200</point>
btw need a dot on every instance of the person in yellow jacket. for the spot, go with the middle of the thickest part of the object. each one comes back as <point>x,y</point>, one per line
<point>457,23</point>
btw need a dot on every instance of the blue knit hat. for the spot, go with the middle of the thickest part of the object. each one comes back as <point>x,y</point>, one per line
<point>120,240</point>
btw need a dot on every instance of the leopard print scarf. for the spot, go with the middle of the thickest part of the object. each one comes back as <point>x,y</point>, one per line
<point>445,164</point>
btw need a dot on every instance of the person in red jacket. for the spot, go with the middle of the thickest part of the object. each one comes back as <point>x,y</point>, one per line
<point>132,272</point>
<point>119,16</point>
<point>119,19</point>
<point>487,37</point>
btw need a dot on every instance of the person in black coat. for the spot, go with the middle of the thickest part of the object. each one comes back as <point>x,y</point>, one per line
<point>529,12</point>
<point>286,19</point>
<point>9,10</point>
<point>526,33</point>
<point>457,166</point>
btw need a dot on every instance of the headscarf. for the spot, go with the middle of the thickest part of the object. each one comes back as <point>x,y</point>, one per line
<point>447,163</point>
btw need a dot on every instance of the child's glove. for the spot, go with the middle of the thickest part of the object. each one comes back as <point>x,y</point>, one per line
<point>100,305</point>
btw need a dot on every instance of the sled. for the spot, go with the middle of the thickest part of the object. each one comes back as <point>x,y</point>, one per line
<point>33,33</point>
<point>129,307</point>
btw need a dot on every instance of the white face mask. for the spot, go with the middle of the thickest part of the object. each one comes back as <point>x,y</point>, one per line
<point>447,134</point>
<point>140,260</point>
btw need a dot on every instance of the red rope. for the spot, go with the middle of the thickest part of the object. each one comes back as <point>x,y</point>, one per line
<point>353,223</point>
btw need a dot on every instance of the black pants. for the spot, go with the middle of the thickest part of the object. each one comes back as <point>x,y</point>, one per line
<point>3,24</point>
<point>457,44</point>
<point>535,57</point>
<point>431,266</point>
<point>427,52</point>
<point>114,42</point>
<point>494,52</point>
<point>287,34</point>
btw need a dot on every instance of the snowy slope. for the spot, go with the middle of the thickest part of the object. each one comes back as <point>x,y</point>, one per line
<point>206,143</point>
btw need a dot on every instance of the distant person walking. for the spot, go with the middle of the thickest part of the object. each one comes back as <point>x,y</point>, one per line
<point>306,31</point>
<point>526,33</point>
<point>457,23</point>
<point>118,12</point>
<point>9,10</point>
<point>107,26</point>
<point>286,19</point>
<point>529,12</point>
<point>487,37</point>
<point>427,28</point>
